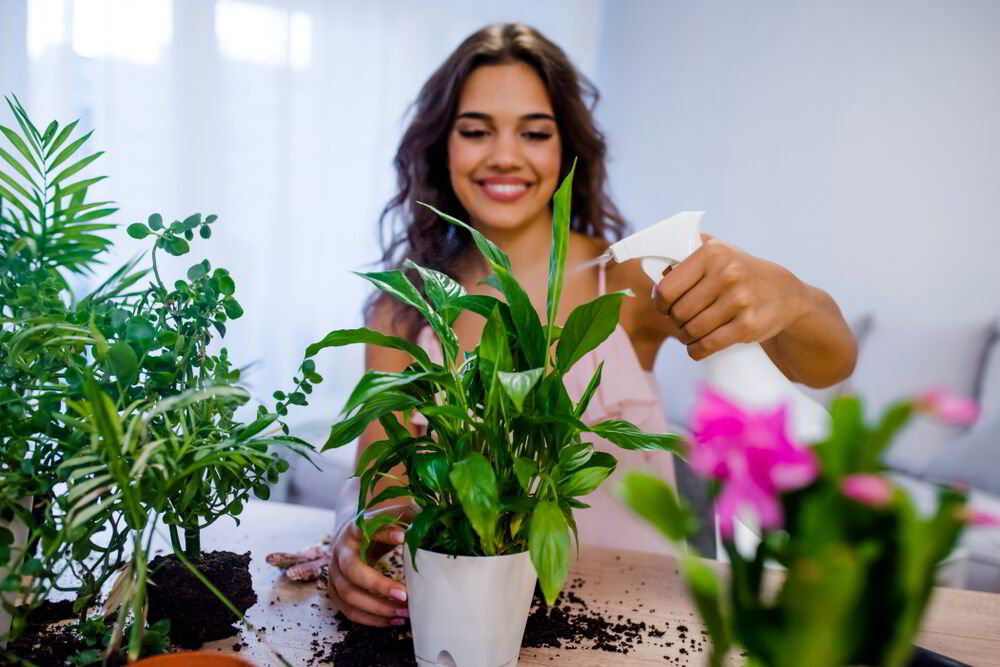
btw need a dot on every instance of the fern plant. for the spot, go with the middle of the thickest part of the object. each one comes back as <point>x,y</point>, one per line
<point>502,463</point>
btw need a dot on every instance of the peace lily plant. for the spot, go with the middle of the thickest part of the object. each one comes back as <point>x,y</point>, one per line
<point>858,559</point>
<point>502,462</point>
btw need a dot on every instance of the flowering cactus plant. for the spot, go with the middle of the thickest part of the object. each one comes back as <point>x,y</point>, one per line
<point>859,560</point>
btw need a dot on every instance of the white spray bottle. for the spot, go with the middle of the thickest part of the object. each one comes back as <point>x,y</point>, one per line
<point>742,372</point>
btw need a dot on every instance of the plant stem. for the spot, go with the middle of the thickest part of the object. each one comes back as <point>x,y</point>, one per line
<point>192,542</point>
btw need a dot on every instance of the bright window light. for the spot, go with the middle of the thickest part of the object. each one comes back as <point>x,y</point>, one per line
<point>46,25</point>
<point>264,35</point>
<point>135,31</point>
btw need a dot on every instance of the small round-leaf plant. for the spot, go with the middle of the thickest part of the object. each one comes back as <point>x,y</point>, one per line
<point>502,462</point>
<point>116,411</point>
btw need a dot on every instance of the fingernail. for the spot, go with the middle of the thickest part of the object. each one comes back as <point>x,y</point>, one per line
<point>397,621</point>
<point>652,295</point>
<point>403,612</point>
<point>398,536</point>
<point>398,594</point>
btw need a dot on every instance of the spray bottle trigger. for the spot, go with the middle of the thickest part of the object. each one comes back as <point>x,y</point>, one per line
<point>654,267</point>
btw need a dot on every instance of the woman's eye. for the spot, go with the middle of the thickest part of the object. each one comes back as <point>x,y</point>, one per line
<point>537,136</point>
<point>472,134</point>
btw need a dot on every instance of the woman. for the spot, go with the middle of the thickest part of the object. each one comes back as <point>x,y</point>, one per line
<point>494,131</point>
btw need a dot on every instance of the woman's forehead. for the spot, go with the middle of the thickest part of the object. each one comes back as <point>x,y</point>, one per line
<point>505,92</point>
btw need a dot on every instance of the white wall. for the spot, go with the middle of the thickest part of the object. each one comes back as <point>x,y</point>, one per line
<point>855,142</point>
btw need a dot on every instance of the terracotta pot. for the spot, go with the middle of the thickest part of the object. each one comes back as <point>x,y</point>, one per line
<point>195,659</point>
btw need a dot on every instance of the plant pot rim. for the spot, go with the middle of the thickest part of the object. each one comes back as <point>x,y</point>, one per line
<point>439,554</point>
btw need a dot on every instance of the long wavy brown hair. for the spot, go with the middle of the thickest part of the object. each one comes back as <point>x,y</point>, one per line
<point>410,231</point>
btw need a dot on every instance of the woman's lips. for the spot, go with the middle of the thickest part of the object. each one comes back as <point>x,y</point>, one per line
<point>504,190</point>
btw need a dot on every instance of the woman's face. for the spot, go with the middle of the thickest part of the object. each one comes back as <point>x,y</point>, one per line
<point>504,148</point>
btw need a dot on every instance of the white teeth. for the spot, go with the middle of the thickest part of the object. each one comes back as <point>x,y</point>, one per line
<point>506,188</point>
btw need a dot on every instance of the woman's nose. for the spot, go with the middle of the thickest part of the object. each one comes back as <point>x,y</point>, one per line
<point>506,153</point>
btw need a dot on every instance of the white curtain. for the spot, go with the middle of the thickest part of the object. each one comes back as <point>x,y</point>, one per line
<point>281,117</point>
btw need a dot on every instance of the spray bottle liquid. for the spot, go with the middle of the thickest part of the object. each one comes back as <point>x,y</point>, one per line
<point>742,372</point>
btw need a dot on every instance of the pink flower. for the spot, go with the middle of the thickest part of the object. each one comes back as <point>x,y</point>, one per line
<point>980,518</point>
<point>947,406</point>
<point>868,489</point>
<point>752,455</point>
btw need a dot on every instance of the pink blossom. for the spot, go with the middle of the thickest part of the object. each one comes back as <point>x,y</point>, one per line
<point>868,489</point>
<point>947,406</point>
<point>980,518</point>
<point>752,455</point>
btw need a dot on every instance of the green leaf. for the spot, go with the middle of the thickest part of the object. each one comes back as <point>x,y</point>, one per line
<point>574,456</point>
<point>628,436</point>
<point>518,385</point>
<point>140,332</point>
<point>155,222</point>
<point>588,393</point>
<point>61,138</point>
<point>123,361</point>
<point>418,530</point>
<point>559,251</point>
<point>176,246</point>
<point>494,356</point>
<point>655,502</point>
<point>530,335</point>
<point>586,328</point>
<point>345,431</point>
<point>493,255</point>
<point>68,151</point>
<point>583,481</point>
<point>233,309</point>
<point>525,470</point>
<point>21,147</point>
<point>375,382</point>
<point>69,171</point>
<point>432,470</point>
<point>19,168</point>
<point>205,232</point>
<point>441,290</point>
<point>196,272</point>
<point>369,527</point>
<point>548,542</point>
<point>343,337</point>
<point>476,487</point>
<point>704,586</point>
<point>399,286</point>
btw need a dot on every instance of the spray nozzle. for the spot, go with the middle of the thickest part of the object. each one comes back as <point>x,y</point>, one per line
<point>662,245</point>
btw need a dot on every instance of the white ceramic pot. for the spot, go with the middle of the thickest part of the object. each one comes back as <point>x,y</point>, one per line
<point>20,531</point>
<point>468,611</point>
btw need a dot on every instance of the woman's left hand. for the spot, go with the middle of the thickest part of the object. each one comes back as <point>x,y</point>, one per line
<point>721,295</point>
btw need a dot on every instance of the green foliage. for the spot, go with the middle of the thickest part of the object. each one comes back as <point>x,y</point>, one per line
<point>857,577</point>
<point>117,412</point>
<point>502,461</point>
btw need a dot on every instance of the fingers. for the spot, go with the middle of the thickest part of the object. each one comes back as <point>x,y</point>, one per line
<point>728,334</point>
<point>681,277</point>
<point>363,593</point>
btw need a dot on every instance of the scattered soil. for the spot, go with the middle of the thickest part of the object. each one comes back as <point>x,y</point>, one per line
<point>196,615</point>
<point>569,623</point>
<point>48,643</point>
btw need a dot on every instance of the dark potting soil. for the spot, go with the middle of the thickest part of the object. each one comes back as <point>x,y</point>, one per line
<point>196,615</point>
<point>48,645</point>
<point>570,623</point>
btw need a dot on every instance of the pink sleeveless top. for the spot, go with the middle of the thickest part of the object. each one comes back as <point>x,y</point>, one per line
<point>629,392</point>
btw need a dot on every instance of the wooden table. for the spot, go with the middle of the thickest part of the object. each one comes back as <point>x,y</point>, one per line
<point>962,624</point>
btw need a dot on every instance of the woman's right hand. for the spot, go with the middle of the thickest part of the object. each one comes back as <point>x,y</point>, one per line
<point>364,594</point>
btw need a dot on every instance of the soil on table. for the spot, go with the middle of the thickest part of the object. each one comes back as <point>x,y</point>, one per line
<point>47,642</point>
<point>196,614</point>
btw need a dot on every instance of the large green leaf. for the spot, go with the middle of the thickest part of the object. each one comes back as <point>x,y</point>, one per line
<point>559,251</point>
<point>586,328</point>
<point>346,430</point>
<point>376,382</point>
<point>494,357</point>
<point>583,481</point>
<point>432,470</point>
<point>588,393</point>
<point>476,486</point>
<point>441,290</point>
<point>493,255</point>
<point>525,470</point>
<point>399,286</point>
<point>518,385</point>
<point>548,542</point>
<point>628,436</point>
<point>418,530</point>
<point>123,361</point>
<point>530,335</point>
<point>653,500</point>
<point>343,337</point>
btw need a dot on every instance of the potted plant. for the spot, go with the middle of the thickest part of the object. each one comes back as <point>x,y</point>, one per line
<point>501,465</point>
<point>859,559</point>
<point>118,411</point>
<point>48,230</point>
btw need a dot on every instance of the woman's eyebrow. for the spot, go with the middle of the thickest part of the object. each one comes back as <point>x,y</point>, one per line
<point>478,115</point>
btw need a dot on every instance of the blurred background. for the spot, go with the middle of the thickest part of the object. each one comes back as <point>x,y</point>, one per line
<point>856,143</point>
